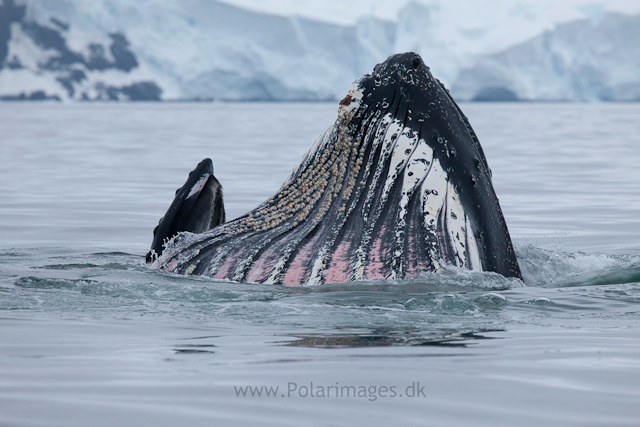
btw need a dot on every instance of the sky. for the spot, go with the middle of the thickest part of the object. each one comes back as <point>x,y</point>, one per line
<point>473,11</point>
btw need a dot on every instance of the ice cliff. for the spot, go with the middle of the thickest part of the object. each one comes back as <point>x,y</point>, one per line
<point>577,61</point>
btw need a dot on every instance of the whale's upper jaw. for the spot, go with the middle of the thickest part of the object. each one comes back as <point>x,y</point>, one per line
<point>405,87</point>
<point>397,186</point>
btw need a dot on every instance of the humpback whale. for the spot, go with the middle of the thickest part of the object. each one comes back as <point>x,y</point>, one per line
<point>396,187</point>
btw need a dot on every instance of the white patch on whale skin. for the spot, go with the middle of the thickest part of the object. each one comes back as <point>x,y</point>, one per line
<point>394,145</point>
<point>403,140</point>
<point>388,127</point>
<point>457,226</point>
<point>400,161</point>
<point>274,276</point>
<point>318,266</point>
<point>355,95</point>
<point>357,270</point>
<point>385,152</point>
<point>432,195</point>
<point>472,248</point>
<point>415,172</point>
<point>437,192</point>
<point>198,186</point>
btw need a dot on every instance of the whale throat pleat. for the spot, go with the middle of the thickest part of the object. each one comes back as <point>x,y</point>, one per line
<point>393,212</point>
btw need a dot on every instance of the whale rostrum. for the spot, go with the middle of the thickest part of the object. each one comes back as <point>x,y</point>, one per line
<point>396,187</point>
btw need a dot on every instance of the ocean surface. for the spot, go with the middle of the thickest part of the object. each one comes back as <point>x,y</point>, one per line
<point>90,336</point>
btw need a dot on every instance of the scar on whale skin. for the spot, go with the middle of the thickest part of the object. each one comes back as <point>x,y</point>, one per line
<point>397,186</point>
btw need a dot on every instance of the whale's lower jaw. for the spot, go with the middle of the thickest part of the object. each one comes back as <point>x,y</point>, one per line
<point>396,187</point>
<point>338,229</point>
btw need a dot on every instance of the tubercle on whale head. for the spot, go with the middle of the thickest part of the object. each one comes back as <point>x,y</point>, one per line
<point>400,76</point>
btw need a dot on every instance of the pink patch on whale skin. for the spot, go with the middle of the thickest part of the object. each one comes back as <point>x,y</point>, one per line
<point>226,269</point>
<point>198,186</point>
<point>296,274</point>
<point>261,267</point>
<point>259,270</point>
<point>173,263</point>
<point>374,269</point>
<point>340,264</point>
<point>414,263</point>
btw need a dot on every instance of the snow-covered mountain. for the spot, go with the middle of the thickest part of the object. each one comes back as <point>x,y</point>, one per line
<point>37,63</point>
<point>211,49</point>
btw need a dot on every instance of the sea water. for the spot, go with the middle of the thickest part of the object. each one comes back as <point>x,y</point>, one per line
<point>91,336</point>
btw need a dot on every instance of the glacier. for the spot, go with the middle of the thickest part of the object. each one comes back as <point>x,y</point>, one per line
<point>577,61</point>
<point>246,50</point>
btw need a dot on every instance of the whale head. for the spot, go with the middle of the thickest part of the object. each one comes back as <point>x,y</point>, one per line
<point>397,186</point>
